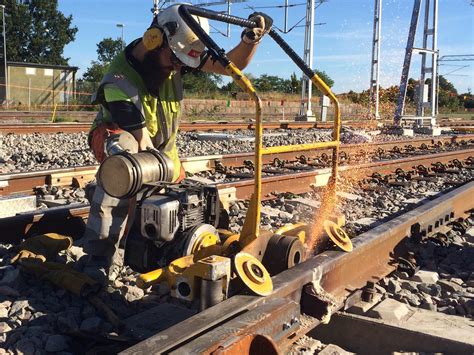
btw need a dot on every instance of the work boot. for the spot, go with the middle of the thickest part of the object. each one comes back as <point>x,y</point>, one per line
<point>98,267</point>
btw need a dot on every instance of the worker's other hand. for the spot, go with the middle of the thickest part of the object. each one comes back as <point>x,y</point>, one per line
<point>62,276</point>
<point>42,247</point>
<point>26,254</point>
<point>264,25</point>
<point>182,174</point>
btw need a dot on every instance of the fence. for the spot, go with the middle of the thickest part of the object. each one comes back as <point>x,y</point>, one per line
<point>24,96</point>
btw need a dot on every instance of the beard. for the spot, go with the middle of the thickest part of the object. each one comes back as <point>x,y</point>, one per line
<point>154,72</point>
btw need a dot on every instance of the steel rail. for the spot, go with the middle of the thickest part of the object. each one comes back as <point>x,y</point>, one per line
<point>13,228</point>
<point>302,182</point>
<point>25,182</point>
<point>319,286</point>
<point>28,128</point>
<point>196,164</point>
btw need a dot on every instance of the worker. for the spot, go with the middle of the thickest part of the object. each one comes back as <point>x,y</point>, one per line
<point>141,94</point>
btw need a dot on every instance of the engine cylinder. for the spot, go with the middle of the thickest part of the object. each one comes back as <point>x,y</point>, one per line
<point>123,175</point>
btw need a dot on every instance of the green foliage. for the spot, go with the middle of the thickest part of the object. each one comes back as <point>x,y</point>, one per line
<point>273,83</point>
<point>326,78</point>
<point>107,49</point>
<point>469,103</point>
<point>232,87</point>
<point>266,83</point>
<point>95,72</point>
<point>295,84</point>
<point>37,31</point>
<point>201,82</point>
<point>447,94</point>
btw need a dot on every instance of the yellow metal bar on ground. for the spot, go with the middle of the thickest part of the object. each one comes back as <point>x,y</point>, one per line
<point>299,147</point>
<point>251,227</point>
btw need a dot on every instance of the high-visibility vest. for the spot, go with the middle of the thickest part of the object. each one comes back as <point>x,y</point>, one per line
<point>162,114</point>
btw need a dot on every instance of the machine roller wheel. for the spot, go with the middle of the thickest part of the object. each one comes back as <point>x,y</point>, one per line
<point>282,253</point>
<point>253,274</point>
<point>201,241</point>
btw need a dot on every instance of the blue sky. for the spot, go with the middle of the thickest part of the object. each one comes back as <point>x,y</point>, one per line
<point>342,45</point>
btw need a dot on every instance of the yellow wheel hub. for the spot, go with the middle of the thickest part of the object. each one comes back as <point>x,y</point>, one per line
<point>253,274</point>
<point>203,241</point>
<point>337,235</point>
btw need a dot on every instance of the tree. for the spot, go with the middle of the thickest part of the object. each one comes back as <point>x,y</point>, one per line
<point>232,87</point>
<point>326,78</point>
<point>201,82</point>
<point>37,31</point>
<point>107,49</point>
<point>295,84</point>
<point>447,94</point>
<point>95,72</point>
<point>269,83</point>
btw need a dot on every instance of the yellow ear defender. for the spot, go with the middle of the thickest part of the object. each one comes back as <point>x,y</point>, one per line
<point>153,38</point>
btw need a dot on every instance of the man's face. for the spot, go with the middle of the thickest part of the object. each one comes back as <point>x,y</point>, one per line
<point>157,66</point>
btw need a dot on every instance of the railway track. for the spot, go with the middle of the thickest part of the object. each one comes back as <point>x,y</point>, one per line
<point>27,128</point>
<point>398,171</point>
<point>307,294</point>
<point>85,119</point>
<point>26,182</point>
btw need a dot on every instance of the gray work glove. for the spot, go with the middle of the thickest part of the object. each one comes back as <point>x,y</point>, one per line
<point>254,35</point>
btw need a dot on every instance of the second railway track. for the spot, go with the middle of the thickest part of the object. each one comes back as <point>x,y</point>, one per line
<point>415,148</point>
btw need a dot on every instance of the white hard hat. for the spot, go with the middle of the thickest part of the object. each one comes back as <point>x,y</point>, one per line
<point>181,39</point>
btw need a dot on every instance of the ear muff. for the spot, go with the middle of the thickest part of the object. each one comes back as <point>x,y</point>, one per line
<point>153,38</point>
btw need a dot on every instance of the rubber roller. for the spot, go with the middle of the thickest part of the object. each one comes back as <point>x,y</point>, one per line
<point>123,175</point>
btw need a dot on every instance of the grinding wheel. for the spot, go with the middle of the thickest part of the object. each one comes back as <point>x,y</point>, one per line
<point>337,235</point>
<point>253,274</point>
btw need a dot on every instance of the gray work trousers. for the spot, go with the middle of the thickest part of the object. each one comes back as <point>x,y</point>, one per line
<point>106,225</point>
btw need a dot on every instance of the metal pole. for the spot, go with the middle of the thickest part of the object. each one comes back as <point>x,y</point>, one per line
<point>304,79</point>
<point>7,87</point>
<point>310,59</point>
<point>377,73</point>
<point>437,84</point>
<point>434,80</point>
<point>29,94</point>
<point>121,25</point>
<point>420,109</point>
<point>228,13</point>
<point>406,64</point>
<point>375,67</point>
<point>286,17</point>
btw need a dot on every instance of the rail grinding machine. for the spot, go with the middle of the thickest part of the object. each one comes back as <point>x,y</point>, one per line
<point>179,236</point>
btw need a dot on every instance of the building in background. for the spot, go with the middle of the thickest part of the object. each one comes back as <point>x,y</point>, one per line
<point>40,86</point>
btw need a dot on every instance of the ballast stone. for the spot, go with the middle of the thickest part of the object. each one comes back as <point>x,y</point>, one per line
<point>390,310</point>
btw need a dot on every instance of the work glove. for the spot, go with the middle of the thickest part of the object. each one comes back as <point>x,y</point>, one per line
<point>254,35</point>
<point>42,247</point>
<point>62,276</point>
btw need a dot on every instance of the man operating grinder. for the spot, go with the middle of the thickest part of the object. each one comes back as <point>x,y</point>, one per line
<point>141,94</point>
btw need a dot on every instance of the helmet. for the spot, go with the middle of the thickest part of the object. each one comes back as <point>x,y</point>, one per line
<point>181,39</point>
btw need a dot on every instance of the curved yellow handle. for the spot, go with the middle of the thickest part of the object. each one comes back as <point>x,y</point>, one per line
<point>150,278</point>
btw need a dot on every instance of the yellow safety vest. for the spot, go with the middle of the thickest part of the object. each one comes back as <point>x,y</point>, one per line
<point>162,114</point>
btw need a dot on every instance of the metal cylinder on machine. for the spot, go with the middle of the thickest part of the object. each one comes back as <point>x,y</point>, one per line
<point>211,293</point>
<point>123,175</point>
